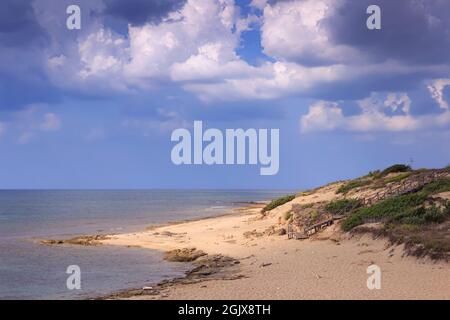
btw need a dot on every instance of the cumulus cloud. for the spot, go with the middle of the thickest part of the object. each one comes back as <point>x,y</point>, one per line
<point>308,60</point>
<point>318,49</point>
<point>198,41</point>
<point>271,80</point>
<point>327,116</point>
<point>322,116</point>
<point>212,61</point>
<point>193,44</point>
<point>293,31</point>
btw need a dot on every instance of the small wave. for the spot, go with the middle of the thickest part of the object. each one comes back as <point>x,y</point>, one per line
<point>217,208</point>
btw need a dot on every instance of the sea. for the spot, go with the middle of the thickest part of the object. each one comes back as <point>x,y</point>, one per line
<point>30,270</point>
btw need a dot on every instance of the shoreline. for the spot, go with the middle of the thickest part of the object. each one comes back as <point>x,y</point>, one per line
<point>331,265</point>
<point>248,258</point>
<point>207,268</point>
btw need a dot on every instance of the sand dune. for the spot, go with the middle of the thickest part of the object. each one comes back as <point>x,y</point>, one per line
<point>330,265</point>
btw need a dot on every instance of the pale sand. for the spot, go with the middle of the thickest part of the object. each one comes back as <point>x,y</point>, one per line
<point>330,265</point>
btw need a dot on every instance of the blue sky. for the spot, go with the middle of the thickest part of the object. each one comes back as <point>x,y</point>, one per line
<point>95,108</point>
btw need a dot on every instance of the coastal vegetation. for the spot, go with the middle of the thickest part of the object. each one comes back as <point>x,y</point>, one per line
<point>407,206</point>
<point>287,215</point>
<point>345,188</point>
<point>379,177</point>
<point>419,219</point>
<point>342,206</point>
<point>278,202</point>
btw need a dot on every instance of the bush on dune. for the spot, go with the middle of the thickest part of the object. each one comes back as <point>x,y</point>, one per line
<point>278,202</point>
<point>395,168</point>
<point>342,206</point>
<point>345,188</point>
<point>406,208</point>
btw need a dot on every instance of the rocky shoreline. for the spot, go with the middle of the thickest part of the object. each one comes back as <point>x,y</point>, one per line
<point>205,268</point>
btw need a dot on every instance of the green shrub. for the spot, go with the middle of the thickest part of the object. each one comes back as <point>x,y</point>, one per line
<point>442,185</point>
<point>307,205</point>
<point>373,174</point>
<point>278,202</point>
<point>447,208</point>
<point>352,221</point>
<point>389,208</point>
<point>420,215</point>
<point>406,227</point>
<point>397,178</point>
<point>395,168</point>
<point>342,206</point>
<point>345,188</point>
<point>404,208</point>
<point>287,215</point>
<point>314,215</point>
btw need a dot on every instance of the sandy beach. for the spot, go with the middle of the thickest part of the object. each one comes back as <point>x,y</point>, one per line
<point>328,265</point>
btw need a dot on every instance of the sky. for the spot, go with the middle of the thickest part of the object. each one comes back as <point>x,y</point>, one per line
<point>95,107</point>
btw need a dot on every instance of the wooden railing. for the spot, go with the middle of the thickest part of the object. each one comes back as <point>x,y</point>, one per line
<point>407,186</point>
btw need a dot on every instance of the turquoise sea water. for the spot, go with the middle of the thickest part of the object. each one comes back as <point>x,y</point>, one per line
<point>29,270</point>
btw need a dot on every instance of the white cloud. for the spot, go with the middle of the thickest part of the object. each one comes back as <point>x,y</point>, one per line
<point>322,116</point>
<point>212,61</point>
<point>327,116</point>
<point>293,31</point>
<point>196,48</point>
<point>436,89</point>
<point>269,81</point>
<point>166,121</point>
<point>395,101</point>
<point>101,52</point>
<point>197,42</point>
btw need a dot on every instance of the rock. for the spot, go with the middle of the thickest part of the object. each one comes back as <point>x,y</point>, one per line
<point>167,233</point>
<point>51,241</point>
<point>183,255</point>
<point>81,240</point>
<point>281,232</point>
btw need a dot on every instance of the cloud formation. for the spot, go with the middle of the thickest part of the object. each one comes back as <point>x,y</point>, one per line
<point>325,116</point>
<point>436,89</point>
<point>315,49</point>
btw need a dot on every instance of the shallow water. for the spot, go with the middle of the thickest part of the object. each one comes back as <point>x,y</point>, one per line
<point>29,270</point>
